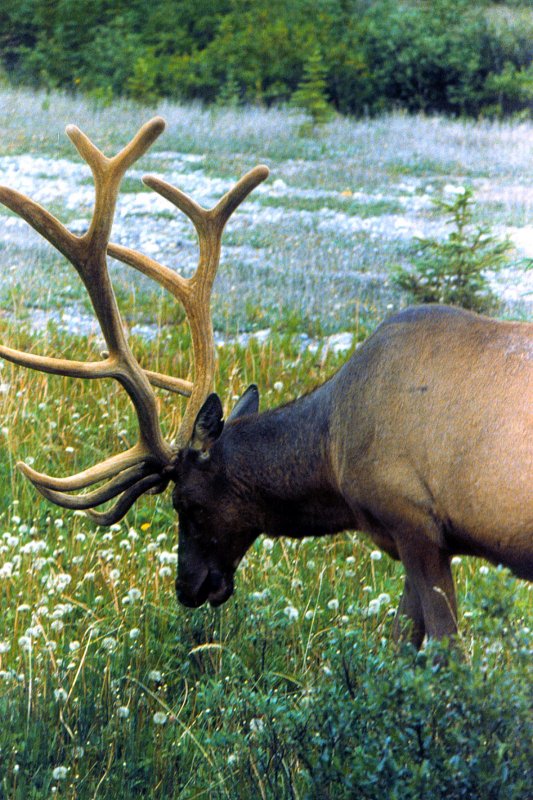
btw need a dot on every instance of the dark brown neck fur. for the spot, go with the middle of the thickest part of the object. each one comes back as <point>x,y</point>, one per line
<point>279,460</point>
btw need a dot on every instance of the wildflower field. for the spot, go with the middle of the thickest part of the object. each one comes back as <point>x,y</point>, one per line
<point>293,689</point>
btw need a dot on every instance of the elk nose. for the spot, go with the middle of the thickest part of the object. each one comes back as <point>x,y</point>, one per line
<point>216,579</point>
<point>193,593</point>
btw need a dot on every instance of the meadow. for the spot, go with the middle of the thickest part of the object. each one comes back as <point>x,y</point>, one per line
<point>293,689</point>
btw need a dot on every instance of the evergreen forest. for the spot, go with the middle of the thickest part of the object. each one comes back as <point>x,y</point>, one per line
<point>457,57</point>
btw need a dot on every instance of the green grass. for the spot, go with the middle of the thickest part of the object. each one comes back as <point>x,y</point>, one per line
<point>346,205</point>
<point>293,689</point>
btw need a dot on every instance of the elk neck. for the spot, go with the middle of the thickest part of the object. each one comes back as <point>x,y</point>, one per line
<point>279,464</point>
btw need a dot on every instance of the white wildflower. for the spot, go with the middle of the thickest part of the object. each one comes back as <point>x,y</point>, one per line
<point>60,695</point>
<point>268,544</point>
<point>256,725</point>
<point>333,604</point>
<point>260,595</point>
<point>373,607</point>
<point>62,581</point>
<point>60,773</point>
<point>484,570</point>
<point>6,570</point>
<point>5,647</point>
<point>375,555</point>
<point>168,558</point>
<point>109,643</point>
<point>291,612</point>
<point>155,675</point>
<point>74,645</point>
<point>134,633</point>
<point>123,712</point>
<point>134,594</point>
<point>165,572</point>
<point>35,546</point>
<point>160,718</point>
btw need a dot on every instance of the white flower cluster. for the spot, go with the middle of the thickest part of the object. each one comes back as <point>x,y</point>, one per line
<point>375,605</point>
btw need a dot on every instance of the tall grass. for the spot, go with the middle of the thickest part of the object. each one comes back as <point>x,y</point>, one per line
<point>292,690</point>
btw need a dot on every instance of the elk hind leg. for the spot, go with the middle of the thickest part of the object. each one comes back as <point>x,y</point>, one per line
<point>409,621</point>
<point>428,570</point>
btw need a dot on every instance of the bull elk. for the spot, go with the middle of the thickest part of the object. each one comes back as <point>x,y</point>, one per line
<point>423,439</point>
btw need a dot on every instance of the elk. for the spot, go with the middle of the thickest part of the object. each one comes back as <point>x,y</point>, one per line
<point>423,439</point>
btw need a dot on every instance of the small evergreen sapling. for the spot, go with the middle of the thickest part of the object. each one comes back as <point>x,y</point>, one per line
<point>453,271</point>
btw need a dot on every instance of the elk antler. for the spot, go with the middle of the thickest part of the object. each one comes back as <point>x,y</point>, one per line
<point>148,464</point>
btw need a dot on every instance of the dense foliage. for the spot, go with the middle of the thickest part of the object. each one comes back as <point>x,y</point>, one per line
<point>450,56</point>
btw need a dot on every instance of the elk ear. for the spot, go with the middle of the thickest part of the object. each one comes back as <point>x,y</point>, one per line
<point>248,403</point>
<point>208,425</point>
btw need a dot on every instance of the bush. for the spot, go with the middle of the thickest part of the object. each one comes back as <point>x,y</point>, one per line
<point>452,271</point>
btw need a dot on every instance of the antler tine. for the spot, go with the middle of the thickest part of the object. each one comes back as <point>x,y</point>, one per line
<point>100,472</point>
<point>88,254</point>
<point>195,292</point>
<point>152,483</point>
<point>107,492</point>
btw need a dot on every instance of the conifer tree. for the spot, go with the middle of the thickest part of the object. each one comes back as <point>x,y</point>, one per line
<point>310,94</point>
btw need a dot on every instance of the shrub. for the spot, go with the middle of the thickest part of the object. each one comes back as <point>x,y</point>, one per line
<point>452,271</point>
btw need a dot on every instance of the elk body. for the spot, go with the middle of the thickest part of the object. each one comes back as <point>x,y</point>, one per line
<point>424,439</point>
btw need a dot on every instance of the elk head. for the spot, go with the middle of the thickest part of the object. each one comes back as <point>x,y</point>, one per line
<point>214,529</point>
<point>153,461</point>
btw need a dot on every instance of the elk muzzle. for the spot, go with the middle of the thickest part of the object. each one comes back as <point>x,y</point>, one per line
<point>209,584</point>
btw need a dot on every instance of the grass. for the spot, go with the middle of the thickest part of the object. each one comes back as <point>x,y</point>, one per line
<point>292,690</point>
